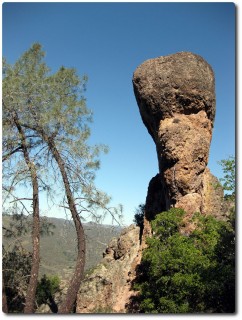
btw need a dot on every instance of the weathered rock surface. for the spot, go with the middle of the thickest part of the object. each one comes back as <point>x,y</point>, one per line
<point>213,196</point>
<point>176,99</point>
<point>179,83</point>
<point>108,288</point>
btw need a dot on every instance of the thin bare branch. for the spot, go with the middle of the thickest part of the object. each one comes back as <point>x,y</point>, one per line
<point>6,156</point>
<point>20,199</point>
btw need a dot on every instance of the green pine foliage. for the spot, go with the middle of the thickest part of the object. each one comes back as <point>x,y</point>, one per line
<point>228,180</point>
<point>188,273</point>
<point>51,104</point>
<point>46,130</point>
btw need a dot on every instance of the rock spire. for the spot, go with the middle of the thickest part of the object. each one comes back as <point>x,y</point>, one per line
<point>176,99</point>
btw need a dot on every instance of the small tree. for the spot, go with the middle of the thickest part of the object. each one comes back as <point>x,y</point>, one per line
<point>228,181</point>
<point>229,186</point>
<point>139,216</point>
<point>47,287</point>
<point>12,122</point>
<point>139,219</point>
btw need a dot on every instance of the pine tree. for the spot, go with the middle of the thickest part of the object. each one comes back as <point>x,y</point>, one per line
<point>52,110</point>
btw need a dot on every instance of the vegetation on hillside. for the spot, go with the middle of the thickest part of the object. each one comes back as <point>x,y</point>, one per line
<point>63,244</point>
<point>16,266</point>
<point>17,256</point>
<point>187,273</point>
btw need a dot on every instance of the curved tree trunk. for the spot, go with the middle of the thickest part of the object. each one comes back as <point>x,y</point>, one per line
<point>32,286</point>
<point>67,305</point>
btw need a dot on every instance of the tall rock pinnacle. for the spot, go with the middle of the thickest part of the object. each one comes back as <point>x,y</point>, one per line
<point>176,99</point>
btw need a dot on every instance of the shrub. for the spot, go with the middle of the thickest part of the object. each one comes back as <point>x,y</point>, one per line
<point>47,287</point>
<point>16,266</point>
<point>188,273</point>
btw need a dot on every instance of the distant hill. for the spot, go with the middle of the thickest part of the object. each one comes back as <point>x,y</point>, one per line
<point>58,251</point>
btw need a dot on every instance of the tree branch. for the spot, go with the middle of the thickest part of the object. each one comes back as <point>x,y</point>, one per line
<point>6,156</point>
<point>19,199</point>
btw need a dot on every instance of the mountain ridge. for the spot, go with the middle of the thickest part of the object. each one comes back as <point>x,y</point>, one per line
<point>58,251</point>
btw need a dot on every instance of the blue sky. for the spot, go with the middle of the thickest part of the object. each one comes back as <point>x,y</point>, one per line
<point>107,41</point>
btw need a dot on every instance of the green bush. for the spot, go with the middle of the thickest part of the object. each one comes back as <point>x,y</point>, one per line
<point>16,267</point>
<point>46,288</point>
<point>188,273</point>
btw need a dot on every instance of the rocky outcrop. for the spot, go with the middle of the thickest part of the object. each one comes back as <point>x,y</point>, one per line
<point>176,99</point>
<point>108,288</point>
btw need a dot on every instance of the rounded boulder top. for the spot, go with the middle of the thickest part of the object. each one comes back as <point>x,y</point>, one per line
<point>178,83</point>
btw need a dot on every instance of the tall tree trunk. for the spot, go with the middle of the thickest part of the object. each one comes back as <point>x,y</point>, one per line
<point>32,285</point>
<point>67,305</point>
<point>4,299</point>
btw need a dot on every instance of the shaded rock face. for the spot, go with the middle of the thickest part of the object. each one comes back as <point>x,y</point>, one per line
<point>176,99</point>
<point>108,288</point>
<point>155,197</point>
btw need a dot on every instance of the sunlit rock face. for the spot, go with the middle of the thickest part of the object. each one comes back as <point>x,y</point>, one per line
<point>109,286</point>
<point>176,99</point>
